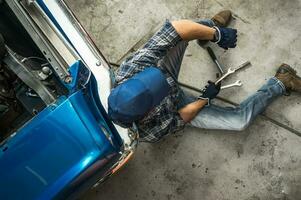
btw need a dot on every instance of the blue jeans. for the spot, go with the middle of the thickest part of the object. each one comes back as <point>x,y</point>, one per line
<point>223,118</point>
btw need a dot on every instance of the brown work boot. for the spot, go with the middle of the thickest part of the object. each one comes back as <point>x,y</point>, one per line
<point>222,18</point>
<point>288,76</point>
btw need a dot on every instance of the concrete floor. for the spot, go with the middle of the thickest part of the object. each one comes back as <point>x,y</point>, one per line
<point>262,162</point>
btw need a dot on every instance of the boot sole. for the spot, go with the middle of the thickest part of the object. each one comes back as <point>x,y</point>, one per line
<point>289,69</point>
<point>294,73</point>
<point>285,68</point>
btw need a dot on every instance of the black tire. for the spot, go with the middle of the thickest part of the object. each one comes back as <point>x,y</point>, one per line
<point>2,47</point>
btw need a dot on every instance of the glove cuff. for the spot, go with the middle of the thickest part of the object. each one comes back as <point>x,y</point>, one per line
<point>203,98</point>
<point>217,35</point>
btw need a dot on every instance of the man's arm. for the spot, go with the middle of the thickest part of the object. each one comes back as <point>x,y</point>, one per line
<point>188,112</point>
<point>189,30</point>
<point>169,36</point>
<point>191,110</point>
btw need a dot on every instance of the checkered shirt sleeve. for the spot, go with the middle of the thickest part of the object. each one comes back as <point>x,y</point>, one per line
<point>150,54</point>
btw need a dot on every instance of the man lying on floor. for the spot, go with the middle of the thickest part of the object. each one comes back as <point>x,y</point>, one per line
<point>148,98</point>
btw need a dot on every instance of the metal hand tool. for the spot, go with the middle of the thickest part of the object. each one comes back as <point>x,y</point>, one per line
<point>243,65</point>
<point>213,57</point>
<point>237,83</point>
<point>231,71</point>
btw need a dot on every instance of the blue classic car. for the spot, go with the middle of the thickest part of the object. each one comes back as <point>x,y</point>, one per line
<point>56,138</point>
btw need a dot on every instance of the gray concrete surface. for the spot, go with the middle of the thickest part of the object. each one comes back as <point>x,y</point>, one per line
<point>262,162</point>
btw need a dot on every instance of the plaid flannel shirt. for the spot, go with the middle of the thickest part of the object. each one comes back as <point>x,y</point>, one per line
<point>164,118</point>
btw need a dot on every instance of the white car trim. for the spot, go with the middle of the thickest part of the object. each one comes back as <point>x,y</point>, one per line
<point>86,51</point>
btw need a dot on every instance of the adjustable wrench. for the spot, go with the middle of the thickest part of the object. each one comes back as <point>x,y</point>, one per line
<point>237,83</point>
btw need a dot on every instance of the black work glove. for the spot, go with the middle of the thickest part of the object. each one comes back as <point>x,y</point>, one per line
<point>225,37</point>
<point>211,91</point>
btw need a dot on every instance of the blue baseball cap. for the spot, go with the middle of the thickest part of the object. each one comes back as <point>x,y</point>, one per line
<point>131,100</point>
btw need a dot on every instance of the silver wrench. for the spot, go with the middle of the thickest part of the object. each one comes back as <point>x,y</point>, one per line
<point>237,83</point>
<point>231,71</point>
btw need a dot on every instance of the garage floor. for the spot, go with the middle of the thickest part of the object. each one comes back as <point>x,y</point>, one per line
<point>262,162</point>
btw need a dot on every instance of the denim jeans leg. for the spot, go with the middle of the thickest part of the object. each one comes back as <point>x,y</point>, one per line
<point>173,59</point>
<point>206,22</point>
<point>238,118</point>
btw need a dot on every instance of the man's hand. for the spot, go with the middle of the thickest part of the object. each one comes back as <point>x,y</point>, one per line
<point>211,91</point>
<point>189,112</point>
<point>225,37</point>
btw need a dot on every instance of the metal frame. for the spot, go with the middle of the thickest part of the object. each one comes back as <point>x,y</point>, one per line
<point>14,62</point>
<point>78,44</point>
<point>44,33</point>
